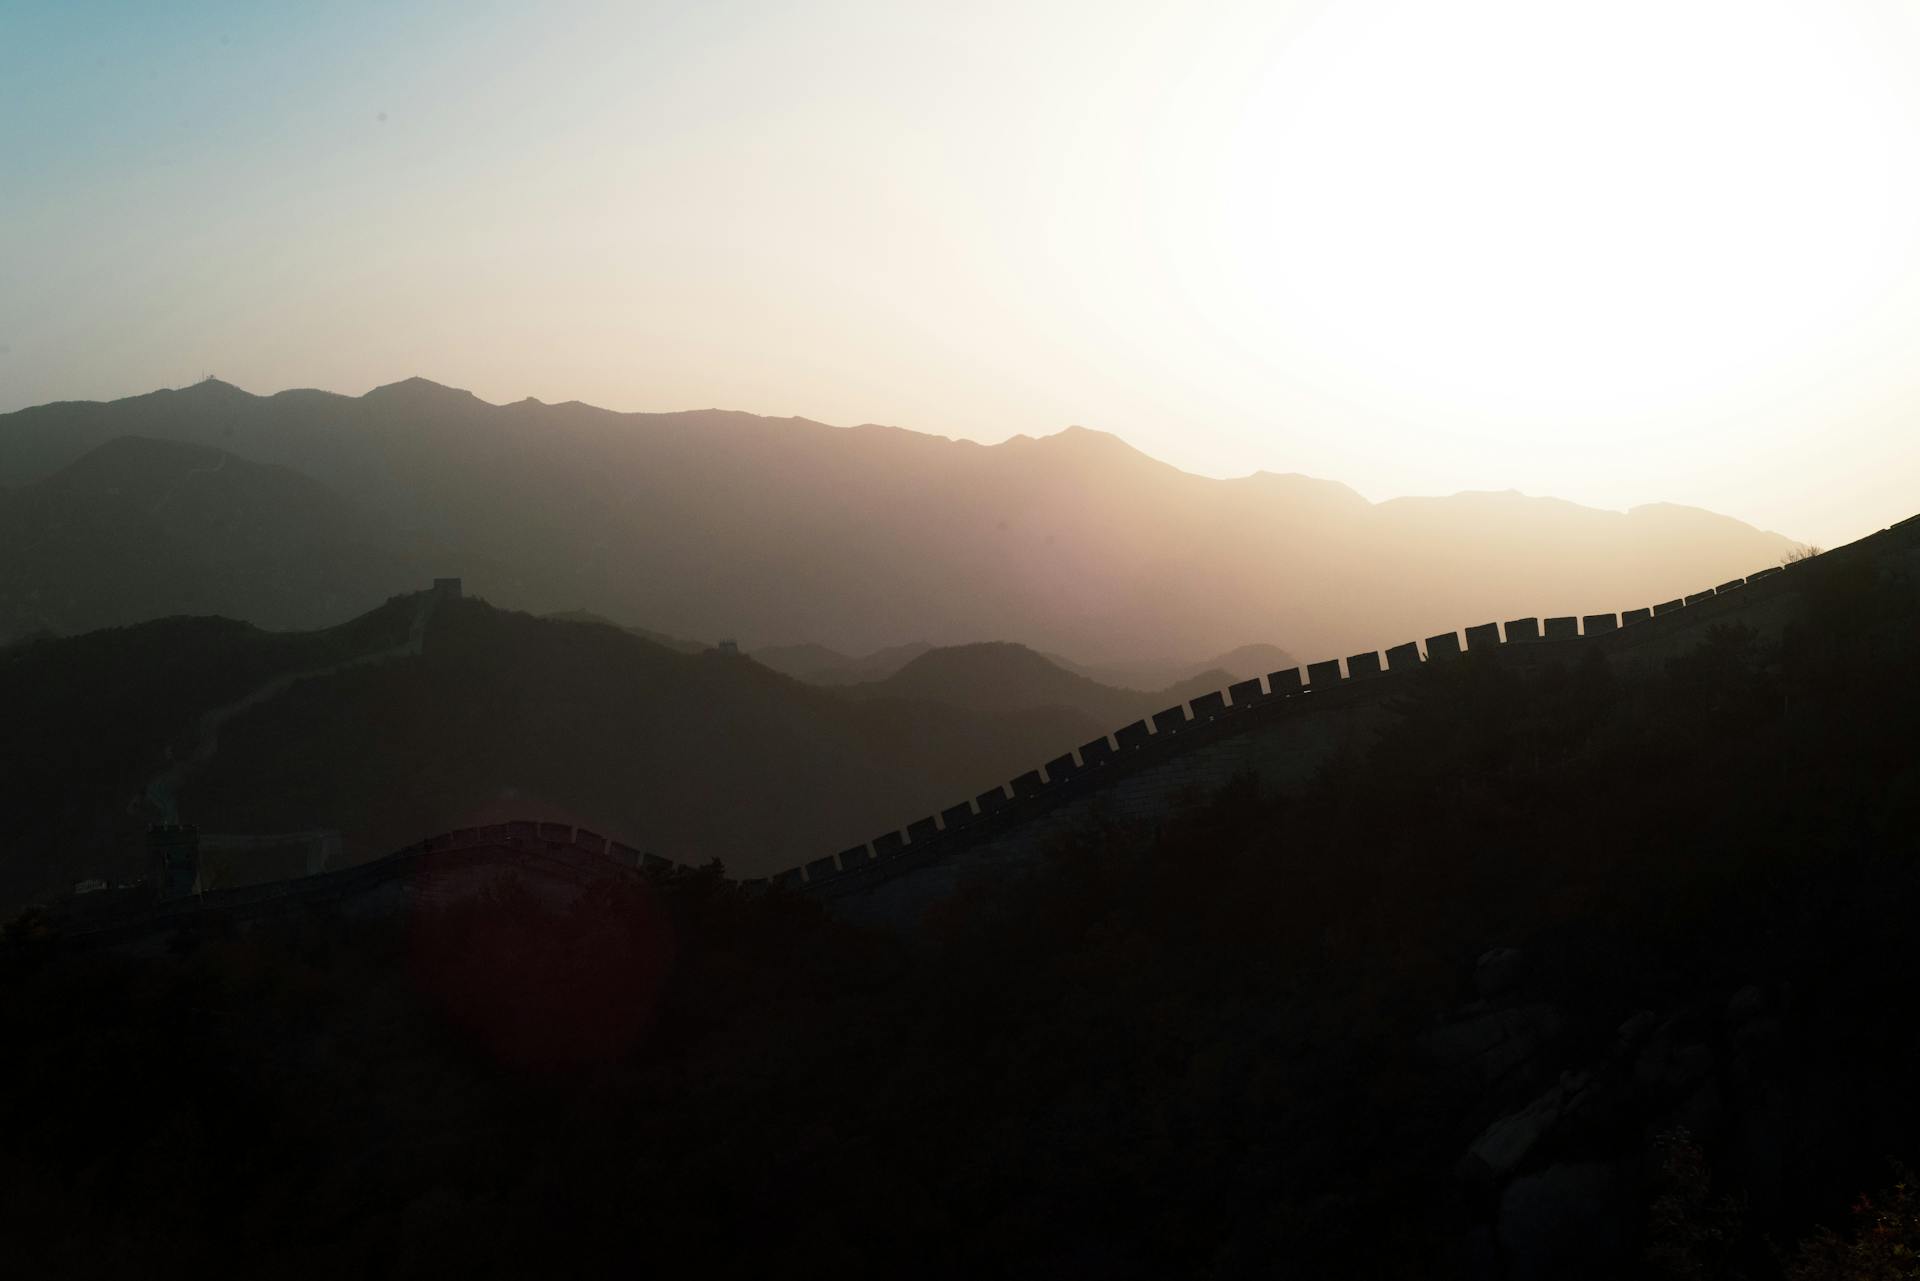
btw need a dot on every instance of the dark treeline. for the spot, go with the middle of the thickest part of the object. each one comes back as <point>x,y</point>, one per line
<point>1210,1050</point>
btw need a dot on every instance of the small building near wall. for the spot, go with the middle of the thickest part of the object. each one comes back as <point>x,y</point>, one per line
<point>173,859</point>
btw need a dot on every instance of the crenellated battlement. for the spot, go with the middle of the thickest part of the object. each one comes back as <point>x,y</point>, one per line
<point>1639,634</point>
<point>1276,725</point>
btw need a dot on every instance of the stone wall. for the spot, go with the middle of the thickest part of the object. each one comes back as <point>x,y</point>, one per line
<point>1278,731</point>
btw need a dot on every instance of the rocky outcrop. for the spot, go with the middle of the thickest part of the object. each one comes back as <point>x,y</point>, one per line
<point>1556,1180</point>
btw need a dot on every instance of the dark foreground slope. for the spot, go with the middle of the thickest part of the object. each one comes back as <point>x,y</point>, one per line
<point>1278,1038</point>
<point>697,756</point>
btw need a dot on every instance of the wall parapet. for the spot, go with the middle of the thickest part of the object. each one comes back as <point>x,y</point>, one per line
<point>1243,706</point>
<point>1246,704</point>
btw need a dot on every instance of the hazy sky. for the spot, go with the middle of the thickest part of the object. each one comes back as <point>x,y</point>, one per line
<point>1614,252</point>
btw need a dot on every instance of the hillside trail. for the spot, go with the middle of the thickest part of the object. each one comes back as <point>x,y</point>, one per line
<point>163,790</point>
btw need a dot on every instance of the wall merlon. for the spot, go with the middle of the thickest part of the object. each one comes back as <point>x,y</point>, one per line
<point>1244,693</point>
<point>1367,664</point>
<point>886,845</point>
<point>1208,706</point>
<point>1030,782</point>
<point>1566,627</point>
<point>1130,737</point>
<point>1596,624</point>
<point>1404,657</point>
<point>592,842</point>
<point>1444,646</point>
<point>1323,674</point>
<point>924,829</point>
<point>1697,597</point>
<point>1098,752</point>
<point>822,868</point>
<point>1668,606</point>
<point>1062,768</point>
<point>1170,721</point>
<point>955,816</point>
<point>1285,681</point>
<point>856,857</point>
<point>522,830</point>
<point>1483,636</point>
<point>1523,629</point>
<point>558,833</point>
<point>1768,572</point>
<point>992,801</point>
<point>1632,616</point>
<point>625,855</point>
<point>1729,586</point>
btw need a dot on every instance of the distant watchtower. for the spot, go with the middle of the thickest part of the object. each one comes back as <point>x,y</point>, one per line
<point>447,588</point>
<point>729,649</point>
<point>173,859</point>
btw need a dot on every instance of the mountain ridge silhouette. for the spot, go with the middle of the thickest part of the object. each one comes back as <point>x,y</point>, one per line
<point>726,524</point>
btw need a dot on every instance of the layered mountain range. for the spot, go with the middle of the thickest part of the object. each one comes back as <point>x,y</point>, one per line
<point>718,524</point>
<point>486,715</point>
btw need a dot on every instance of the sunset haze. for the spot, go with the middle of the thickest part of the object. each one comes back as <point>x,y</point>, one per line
<point>1615,255</point>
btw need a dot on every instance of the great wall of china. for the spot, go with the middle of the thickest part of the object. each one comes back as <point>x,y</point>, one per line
<point>1278,730</point>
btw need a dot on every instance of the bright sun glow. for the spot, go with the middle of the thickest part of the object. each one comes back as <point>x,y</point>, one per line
<point>1554,209</point>
<point>1511,221</point>
<point>1623,252</point>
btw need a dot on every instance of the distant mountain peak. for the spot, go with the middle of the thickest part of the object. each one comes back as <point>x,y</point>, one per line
<point>423,390</point>
<point>1075,434</point>
<point>1083,442</point>
<point>211,388</point>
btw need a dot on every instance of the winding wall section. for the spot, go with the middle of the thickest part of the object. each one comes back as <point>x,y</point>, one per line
<point>1278,730</point>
